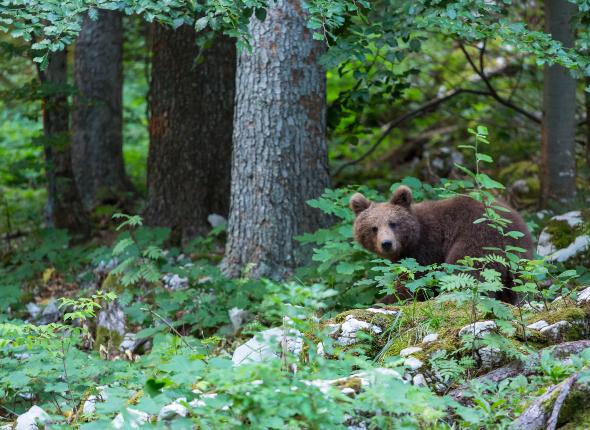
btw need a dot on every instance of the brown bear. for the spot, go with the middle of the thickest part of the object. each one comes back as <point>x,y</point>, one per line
<point>441,231</point>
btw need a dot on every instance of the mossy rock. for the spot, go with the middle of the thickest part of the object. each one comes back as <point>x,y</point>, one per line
<point>111,339</point>
<point>563,310</point>
<point>566,239</point>
<point>522,179</point>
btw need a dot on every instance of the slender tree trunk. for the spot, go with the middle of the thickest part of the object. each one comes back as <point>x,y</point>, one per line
<point>191,119</point>
<point>64,206</point>
<point>97,142</point>
<point>280,156</point>
<point>558,158</point>
<point>587,105</point>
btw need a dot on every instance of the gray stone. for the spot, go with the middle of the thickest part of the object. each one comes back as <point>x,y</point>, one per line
<point>50,314</point>
<point>33,309</point>
<point>136,419</point>
<point>490,357</point>
<point>406,352</point>
<point>216,220</point>
<point>112,318</point>
<point>478,329</point>
<point>555,332</point>
<point>429,338</point>
<point>174,282</point>
<point>413,363</point>
<point>539,325</point>
<point>129,343</point>
<point>173,410</point>
<point>383,311</point>
<point>263,347</point>
<point>238,317</point>
<point>546,248</point>
<point>30,419</point>
<point>584,296</point>
<point>419,380</point>
<point>351,327</point>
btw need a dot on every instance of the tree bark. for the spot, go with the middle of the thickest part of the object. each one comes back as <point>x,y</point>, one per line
<point>280,157</point>
<point>191,120</point>
<point>97,142</point>
<point>558,158</point>
<point>64,206</point>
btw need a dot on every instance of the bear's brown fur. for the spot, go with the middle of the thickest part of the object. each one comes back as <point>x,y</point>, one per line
<point>431,232</point>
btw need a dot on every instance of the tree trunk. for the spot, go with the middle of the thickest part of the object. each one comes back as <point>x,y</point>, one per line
<point>64,206</point>
<point>191,107</point>
<point>558,158</point>
<point>280,156</point>
<point>97,142</point>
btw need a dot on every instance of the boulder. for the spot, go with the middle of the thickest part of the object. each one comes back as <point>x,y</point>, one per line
<point>265,345</point>
<point>31,419</point>
<point>563,239</point>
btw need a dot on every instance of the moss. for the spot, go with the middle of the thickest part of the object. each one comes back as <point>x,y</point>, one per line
<point>561,313</point>
<point>563,235</point>
<point>355,383</point>
<point>579,419</point>
<point>112,283</point>
<point>109,338</point>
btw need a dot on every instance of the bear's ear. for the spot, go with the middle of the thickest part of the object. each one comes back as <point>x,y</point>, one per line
<point>402,197</point>
<point>359,203</point>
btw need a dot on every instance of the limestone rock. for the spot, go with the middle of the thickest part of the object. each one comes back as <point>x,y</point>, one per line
<point>174,282</point>
<point>136,419</point>
<point>584,296</point>
<point>50,314</point>
<point>413,363</point>
<point>264,346</point>
<point>539,325</point>
<point>30,419</point>
<point>173,410</point>
<point>429,338</point>
<point>351,327</point>
<point>406,352</point>
<point>490,357</point>
<point>561,240</point>
<point>479,329</point>
<point>238,317</point>
<point>556,332</point>
<point>419,380</point>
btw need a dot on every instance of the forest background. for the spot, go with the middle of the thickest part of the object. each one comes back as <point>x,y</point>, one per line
<point>175,175</point>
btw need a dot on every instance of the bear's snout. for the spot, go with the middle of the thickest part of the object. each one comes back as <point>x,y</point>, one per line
<point>386,245</point>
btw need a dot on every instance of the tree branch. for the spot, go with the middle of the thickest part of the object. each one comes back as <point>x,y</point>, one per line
<point>493,93</point>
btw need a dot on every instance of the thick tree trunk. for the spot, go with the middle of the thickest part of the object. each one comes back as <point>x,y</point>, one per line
<point>558,158</point>
<point>64,206</point>
<point>97,142</point>
<point>280,157</point>
<point>191,106</point>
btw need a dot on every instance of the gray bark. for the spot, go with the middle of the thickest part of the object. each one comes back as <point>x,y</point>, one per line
<point>64,206</point>
<point>558,158</point>
<point>191,119</point>
<point>280,156</point>
<point>97,142</point>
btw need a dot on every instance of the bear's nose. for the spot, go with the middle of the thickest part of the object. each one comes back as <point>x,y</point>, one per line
<point>386,245</point>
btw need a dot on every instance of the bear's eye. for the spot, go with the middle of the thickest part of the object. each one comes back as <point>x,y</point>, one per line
<point>392,225</point>
<point>375,229</point>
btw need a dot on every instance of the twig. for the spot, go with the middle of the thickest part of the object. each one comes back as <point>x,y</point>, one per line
<point>492,91</point>
<point>565,389</point>
<point>165,321</point>
<point>405,117</point>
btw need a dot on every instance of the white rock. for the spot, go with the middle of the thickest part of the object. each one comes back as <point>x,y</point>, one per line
<point>413,363</point>
<point>238,317</point>
<point>429,338</point>
<point>406,352</point>
<point>419,380</point>
<point>33,309</point>
<point>29,420</point>
<point>112,318</point>
<point>555,331</point>
<point>538,325</point>
<point>332,328</point>
<point>584,296</point>
<point>6,427</point>
<point>136,419</point>
<point>263,349</point>
<point>478,329</point>
<point>348,391</point>
<point>383,311</point>
<point>215,220</point>
<point>89,406</point>
<point>573,218</point>
<point>174,282</point>
<point>320,350</point>
<point>351,327</point>
<point>129,342</point>
<point>173,410</point>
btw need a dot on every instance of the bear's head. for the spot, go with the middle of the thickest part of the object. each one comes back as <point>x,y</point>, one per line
<point>388,229</point>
